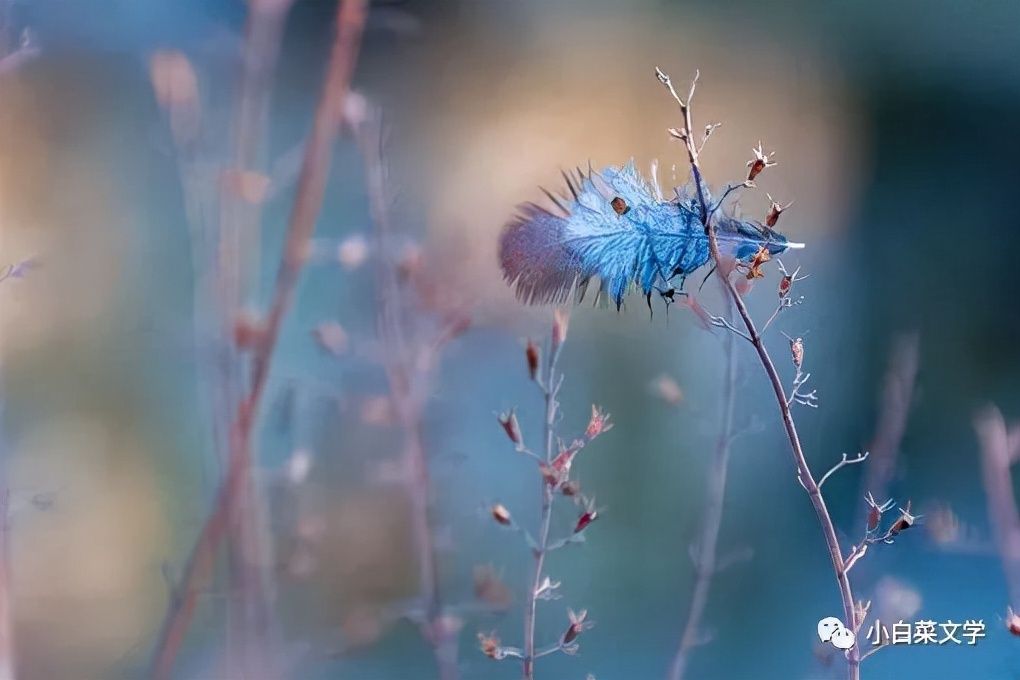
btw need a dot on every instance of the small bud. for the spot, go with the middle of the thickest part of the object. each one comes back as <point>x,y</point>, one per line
<point>589,515</point>
<point>578,624</point>
<point>249,329</point>
<point>797,351</point>
<point>775,210</point>
<point>490,646</point>
<point>561,321</point>
<point>511,427</point>
<point>785,285</point>
<point>571,488</point>
<point>598,424</point>
<point>1012,622</point>
<point>760,162</point>
<point>584,520</point>
<point>905,521</point>
<point>532,354</point>
<point>875,511</point>
<point>757,260</point>
<point>501,514</point>
<point>874,517</point>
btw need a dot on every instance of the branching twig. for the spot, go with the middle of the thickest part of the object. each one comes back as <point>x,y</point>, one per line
<point>861,457</point>
<point>550,384</point>
<point>402,360</point>
<point>800,462</point>
<point>314,173</point>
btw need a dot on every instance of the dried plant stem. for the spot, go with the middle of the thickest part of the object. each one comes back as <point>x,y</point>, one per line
<point>706,557</point>
<point>408,389</point>
<point>550,385</point>
<point>314,173</point>
<point>804,474</point>
<point>1000,448</point>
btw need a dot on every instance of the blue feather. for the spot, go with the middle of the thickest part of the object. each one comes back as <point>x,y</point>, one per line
<point>615,227</point>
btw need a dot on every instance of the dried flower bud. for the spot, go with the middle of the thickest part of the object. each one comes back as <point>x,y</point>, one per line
<point>757,260</point>
<point>759,162</point>
<point>561,321</point>
<point>598,424</point>
<point>775,210</point>
<point>571,488</point>
<point>589,515</point>
<point>501,514</point>
<point>249,329</point>
<point>578,624</point>
<point>905,521</point>
<point>490,646</point>
<point>584,520</point>
<point>785,285</point>
<point>797,351</point>
<point>512,428</point>
<point>532,354</point>
<point>1012,622</point>
<point>874,517</point>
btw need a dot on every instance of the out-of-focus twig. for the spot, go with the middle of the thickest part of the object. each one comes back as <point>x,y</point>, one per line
<point>408,357</point>
<point>311,187</point>
<point>238,274</point>
<point>1000,448</point>
<point>897,395</point>
<point>705,558</point>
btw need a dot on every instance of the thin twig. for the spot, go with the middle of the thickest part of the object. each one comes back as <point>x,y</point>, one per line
<point>407,388</point>
<point>550,385</point>
<point>314,173</point>
<point>706,562</point>
<point>796,450</point>
<point>861,457</point>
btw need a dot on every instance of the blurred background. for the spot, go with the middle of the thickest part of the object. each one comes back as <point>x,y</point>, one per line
<point>894,129</point>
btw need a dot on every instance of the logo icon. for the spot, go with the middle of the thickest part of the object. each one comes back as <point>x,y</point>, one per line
<point>831,629</point>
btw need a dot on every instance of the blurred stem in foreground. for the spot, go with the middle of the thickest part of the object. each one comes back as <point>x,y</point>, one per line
<point>307,204</point>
